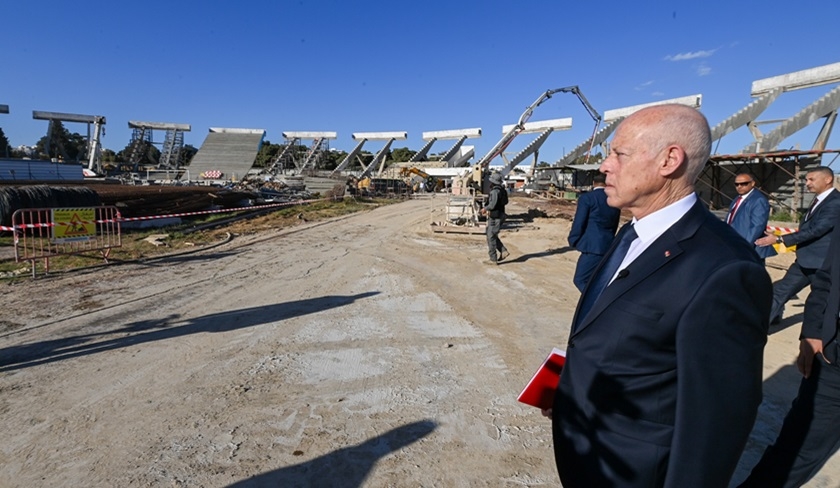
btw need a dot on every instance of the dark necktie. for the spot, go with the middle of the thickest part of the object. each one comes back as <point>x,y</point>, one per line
<point>734,209</point>
<point>611,263</point>
<point>811,208</point>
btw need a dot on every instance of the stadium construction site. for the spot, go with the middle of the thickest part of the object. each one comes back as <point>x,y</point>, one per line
<point>361,349</point>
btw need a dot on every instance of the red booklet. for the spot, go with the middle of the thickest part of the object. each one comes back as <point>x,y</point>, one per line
<point>539,392</point>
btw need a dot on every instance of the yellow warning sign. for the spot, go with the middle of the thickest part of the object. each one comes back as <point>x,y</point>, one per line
<point>73,224</point>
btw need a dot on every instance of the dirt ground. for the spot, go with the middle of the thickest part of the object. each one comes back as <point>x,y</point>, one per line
<point>361,351</point>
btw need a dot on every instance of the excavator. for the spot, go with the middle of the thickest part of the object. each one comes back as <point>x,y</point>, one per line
<point>430,183</point>
<point>468,190</point>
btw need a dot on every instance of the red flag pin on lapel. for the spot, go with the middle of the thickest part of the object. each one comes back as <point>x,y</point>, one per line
<point>667,254</point>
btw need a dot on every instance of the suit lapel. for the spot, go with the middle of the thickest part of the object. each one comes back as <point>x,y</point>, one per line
<point>821,205</point>
<point>665,249</point>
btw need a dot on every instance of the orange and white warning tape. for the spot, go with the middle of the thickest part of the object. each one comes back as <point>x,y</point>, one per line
<point>781,230</point>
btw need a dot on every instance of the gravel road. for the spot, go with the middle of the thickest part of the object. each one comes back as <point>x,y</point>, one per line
<point>361,351</point>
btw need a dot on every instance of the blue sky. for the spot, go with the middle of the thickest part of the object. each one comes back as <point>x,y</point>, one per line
<point>399,66</point>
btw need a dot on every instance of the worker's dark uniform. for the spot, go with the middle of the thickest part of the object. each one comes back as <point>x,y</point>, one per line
<point>495,217</point>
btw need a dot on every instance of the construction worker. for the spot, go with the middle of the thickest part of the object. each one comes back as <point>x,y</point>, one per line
<point>495,212</point>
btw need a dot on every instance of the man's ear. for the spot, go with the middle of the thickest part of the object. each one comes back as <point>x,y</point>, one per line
<point>673,161</point>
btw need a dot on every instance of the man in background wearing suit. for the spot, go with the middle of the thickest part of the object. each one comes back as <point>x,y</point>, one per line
<point>592,230</point>
<point>811,240</point>
<point>663,369</point>
<point>748,213</point>
<point>810,433</point>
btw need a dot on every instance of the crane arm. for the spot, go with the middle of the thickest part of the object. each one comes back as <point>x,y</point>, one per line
<point>520,125</point>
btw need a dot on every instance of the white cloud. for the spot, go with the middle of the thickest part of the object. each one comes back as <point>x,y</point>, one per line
<point>690,55</point>
<point>703,69</point>
<point>643,85</point>
<point>657,94</point>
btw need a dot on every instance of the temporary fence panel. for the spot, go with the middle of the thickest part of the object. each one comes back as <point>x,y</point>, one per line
<point>42,233</point>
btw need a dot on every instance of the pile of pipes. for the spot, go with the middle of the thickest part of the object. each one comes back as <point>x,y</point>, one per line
<point>42,196</point>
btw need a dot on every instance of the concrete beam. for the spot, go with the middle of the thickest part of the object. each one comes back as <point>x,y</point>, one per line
<point>237,131</point>
<point>423,153</point>
<point>310,135</point>
<point>823,107</point>
<point>135,124</point>
<point>4,109</point>
<point>746,115</point>
<point>349,158</point>
<point>807,78</point>
<point>451,134</point>
<point>541,125</point>
<point>85,119</point>
<point>380,136</point>
<point>691,101</point>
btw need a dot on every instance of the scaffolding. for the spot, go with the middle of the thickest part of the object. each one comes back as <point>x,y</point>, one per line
<point>142,138</point>
<point>303,160</point>
<point>780,173</point>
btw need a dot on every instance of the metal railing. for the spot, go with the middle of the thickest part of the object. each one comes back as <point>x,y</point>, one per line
<point>43,233</point>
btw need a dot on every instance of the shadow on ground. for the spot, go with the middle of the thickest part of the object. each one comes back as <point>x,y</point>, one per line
<point>347,467</point>
<point>549,252</point>
<point>146,331</point>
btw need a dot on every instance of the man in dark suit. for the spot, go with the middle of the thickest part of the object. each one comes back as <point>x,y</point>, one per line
<point>811,240</point>
<point>592,230</point>
<point>748,213</point>
<point>663,371</point>
<point>810,433</point>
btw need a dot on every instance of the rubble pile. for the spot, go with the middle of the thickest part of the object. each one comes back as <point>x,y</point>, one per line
<point>274,191</point>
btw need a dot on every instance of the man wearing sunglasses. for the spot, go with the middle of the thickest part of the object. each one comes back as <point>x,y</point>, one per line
<point>748,213</point>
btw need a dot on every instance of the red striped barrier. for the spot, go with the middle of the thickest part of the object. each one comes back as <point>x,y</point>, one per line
<point>783,230</point>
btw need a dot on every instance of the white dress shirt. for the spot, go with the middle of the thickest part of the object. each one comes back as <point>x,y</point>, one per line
<point>819,198</point>
<point>650,227</point>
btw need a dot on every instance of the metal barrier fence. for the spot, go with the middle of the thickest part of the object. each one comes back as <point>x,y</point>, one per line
<point>42,233</point>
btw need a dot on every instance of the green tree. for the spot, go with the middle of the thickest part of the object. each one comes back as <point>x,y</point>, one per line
<point>332,159</point>
<point>108,156</point>
<point>149,154</point>
<point>62,144</point>
<point>267,153</point>
<point>186,155</point>
<point>5,147</point>
<point>402,154</point>
<point>593,159</point>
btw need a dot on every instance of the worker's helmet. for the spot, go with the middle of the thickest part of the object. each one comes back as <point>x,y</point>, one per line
<point>496,178</point>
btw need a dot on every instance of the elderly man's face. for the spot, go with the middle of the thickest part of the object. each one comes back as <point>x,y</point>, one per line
<point>632,175</point>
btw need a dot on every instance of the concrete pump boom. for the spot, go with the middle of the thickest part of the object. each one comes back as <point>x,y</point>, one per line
<point>520,125</point>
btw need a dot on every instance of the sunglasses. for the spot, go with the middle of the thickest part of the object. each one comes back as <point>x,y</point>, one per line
<point>745,183</point>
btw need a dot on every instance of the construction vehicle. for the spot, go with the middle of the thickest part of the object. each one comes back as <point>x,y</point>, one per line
<point>412,174</point>
<point>469,189</point>
<point>358,186</point>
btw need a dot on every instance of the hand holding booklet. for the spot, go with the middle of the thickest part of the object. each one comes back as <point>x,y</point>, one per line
<point>539,392</point>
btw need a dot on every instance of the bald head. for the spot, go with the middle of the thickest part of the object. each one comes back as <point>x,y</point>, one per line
<point>678,125</point>
<point>655,158</point>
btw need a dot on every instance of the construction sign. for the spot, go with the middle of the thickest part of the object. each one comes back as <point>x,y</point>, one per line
<point>73,224</point>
